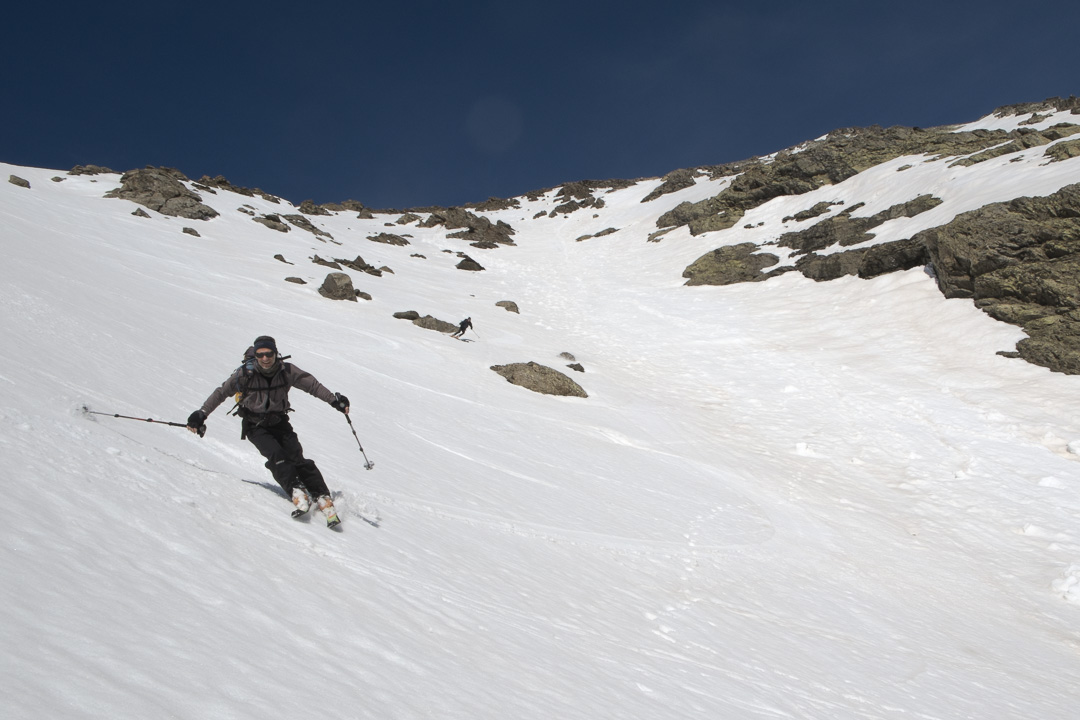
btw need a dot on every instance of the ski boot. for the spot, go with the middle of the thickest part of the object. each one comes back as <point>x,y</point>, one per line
<point>328,509</point>
<point>301,500</point>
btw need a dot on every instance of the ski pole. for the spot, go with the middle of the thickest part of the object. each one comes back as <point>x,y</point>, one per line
<point>202,430</point>
<point>367,463</point>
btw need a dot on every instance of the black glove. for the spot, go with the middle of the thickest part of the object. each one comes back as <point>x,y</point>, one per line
<point>196,420</point>
<point>341,403</point>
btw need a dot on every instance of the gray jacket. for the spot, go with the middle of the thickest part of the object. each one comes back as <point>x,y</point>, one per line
<point>266,395</point>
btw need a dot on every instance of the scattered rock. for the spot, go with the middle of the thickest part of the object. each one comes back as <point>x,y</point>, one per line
<point>509,305</point>
<point>192,231</point>
<point>304,224</point>
<point>273,222</point>
<point>469,264</point>
<point>363,295</point>
<point>139,212</point>
<point>577,367</point>
<point>16,180</point>
<point>338,286</point>
<point>388,239</point>
<point>540,378</point>
<point>567,356</point>
<point>407,315</point>
<point>298,281</point>
<point>360,266</point>
<point>325,263</point>
<point>282,259</point>
<point>432,323</point>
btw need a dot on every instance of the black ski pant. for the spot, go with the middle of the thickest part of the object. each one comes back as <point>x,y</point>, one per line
<point>285,457</point>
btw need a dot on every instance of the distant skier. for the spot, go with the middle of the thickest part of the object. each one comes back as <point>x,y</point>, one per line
<point>264,382</point>
<point>462,327</point>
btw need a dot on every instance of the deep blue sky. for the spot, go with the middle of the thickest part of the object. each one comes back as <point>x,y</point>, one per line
<point>412,103</point>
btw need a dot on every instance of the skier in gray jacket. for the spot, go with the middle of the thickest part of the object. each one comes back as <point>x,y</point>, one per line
<point>264,406</point>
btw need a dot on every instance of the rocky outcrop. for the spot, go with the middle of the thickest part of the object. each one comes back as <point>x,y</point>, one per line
<point>673,182</point>
<point>221,183</point>
<point>162,190</point>
<point>475,228</point>
<point>833,159</point>
<point>90,170</point>
<point>540,378</point>
<point>729,265</point>
<point>1019,261</point>
<point>18,181</point>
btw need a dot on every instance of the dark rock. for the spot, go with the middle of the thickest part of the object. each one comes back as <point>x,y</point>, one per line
<point>139,212</point>
<point>191,231</point>
<point>162,190</point>
<point>282,259</point>
<point>846,230</point>
<point>432,323</point>
<point>308,207</point>
<point>509,305</point>
<point>728,265</point>
<point>338,286</point>
<point>16,180</point>
<point>360,266</point>
<point>388,239</point>
<point>325,263</point>
<point>540,378</point>
<point>840,155</point>
<point>90,170</point>
<point>273,222</point>
<point>298,281</point>
<point>673,182</point>
<point>1019,261</point>
<point>304,224</point>
<point>407,315</point>
<point>469,264</point>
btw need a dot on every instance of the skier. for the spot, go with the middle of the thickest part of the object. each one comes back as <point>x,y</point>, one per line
<point>263,406</point>
<point>462,327</point>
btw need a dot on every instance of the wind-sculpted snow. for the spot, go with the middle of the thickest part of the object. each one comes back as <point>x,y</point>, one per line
<point>785,499</point>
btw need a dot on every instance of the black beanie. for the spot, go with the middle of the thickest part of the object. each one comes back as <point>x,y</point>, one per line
<point>265,341</point>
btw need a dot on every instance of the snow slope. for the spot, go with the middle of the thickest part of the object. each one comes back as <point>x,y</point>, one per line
<point>780,500</point>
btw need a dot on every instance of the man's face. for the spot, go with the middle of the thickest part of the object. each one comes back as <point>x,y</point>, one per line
<point>266,357</point>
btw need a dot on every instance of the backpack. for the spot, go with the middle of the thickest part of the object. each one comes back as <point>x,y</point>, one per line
<point>247,369</point>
